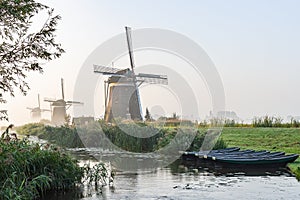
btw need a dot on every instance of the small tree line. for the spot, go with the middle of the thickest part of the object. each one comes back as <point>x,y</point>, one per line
<point>264,122</point>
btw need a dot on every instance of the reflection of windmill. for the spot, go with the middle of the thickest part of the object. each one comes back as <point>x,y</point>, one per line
<point>59,107</point>
<point>122,99</point>
<point>36,112</point>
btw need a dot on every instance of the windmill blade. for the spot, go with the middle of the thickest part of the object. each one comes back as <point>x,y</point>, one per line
<point>130,48</point>
<point>74,102</point>
<point>49,100</point>
<point>105,70</point>
<point>29,108</point>
<point>152,78</point>
<point>39,101</point>
<point>62,89</point>
<point>44,110</point>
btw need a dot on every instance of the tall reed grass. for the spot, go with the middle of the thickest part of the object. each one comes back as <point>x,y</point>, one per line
<point>28,170</point>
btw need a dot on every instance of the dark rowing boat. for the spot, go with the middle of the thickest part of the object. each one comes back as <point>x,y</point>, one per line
<point>234,156</point>
<point>283,159</point>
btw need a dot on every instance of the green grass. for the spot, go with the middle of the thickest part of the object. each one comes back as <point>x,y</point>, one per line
<point>272,139</point>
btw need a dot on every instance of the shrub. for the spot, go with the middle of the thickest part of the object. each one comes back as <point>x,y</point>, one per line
<point>28,170</point>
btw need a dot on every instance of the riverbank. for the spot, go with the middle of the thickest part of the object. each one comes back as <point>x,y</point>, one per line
<point>28,170</point>
<point>99,134</point>
<point>272,139</point>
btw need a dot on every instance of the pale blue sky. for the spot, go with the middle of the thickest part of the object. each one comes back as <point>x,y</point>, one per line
<point>254,45</point>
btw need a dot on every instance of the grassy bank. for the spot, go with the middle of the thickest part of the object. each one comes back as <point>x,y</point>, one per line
<point>90,136</point>
<point>272,139</point>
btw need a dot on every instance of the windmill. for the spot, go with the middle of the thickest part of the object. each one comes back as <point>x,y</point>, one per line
<point>36,112</point>
<point>121,90</point>
<point>59,107</point>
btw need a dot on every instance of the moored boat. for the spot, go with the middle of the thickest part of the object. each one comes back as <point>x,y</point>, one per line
<point>240,157</point>
<point>281,159</point>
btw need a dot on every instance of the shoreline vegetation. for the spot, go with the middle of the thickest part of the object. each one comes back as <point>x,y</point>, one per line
<point>265,133</point>
<point>97,134</point>
<point>29,170</point>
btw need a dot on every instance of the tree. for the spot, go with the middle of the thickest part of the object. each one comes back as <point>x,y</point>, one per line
<point>148,116</point>
<point>21,49</point>
<point>174,116</point>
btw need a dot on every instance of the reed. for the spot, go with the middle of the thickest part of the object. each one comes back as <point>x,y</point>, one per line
<point>28,170</point>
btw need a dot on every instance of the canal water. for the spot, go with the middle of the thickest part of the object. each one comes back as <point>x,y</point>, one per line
<point>182,182</point>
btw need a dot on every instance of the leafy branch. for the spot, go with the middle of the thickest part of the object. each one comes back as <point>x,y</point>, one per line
<point>21,50</point>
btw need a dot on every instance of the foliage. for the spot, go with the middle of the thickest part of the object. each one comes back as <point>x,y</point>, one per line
<point>297,173</point>
<point>31,129</point>
<point>148,116</point>
<point>267,121</point>
<point>137,141</point>
<point>264,121</point>
<point>169,134</point>
<point>277,122</point>
<point>220,144</point>
<point>64,136</point>
<point>203,124</point>
<point>294,123</point>
<point>28,170</point>
<point>174,116</point>
<point>23,50</point>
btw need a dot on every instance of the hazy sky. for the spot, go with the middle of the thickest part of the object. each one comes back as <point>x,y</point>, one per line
<point>253,44</point>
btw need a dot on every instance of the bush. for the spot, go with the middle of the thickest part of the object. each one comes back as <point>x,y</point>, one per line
<point>31,129</point>
<point>28,170</point>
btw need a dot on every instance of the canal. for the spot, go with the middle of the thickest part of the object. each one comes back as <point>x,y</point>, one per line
<point>181,182</point>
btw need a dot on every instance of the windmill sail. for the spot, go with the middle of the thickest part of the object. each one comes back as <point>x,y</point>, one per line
<point>62,89</point>
<point>152,78</point>
<point>39,101</point>
<point>74,102</point>
<point>105,70</point>
<point>129,44</point>
<point>135,100</point>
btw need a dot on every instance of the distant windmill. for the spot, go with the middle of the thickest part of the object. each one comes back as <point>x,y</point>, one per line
<point>59,107</point>
<point>122,99</point>
<point>36,112</point>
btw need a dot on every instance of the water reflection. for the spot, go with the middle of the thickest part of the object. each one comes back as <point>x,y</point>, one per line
<point>218,169</point>
<point>182,180</point>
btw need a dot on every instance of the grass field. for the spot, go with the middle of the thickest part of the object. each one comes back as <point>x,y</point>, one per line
<point>272,139</point>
